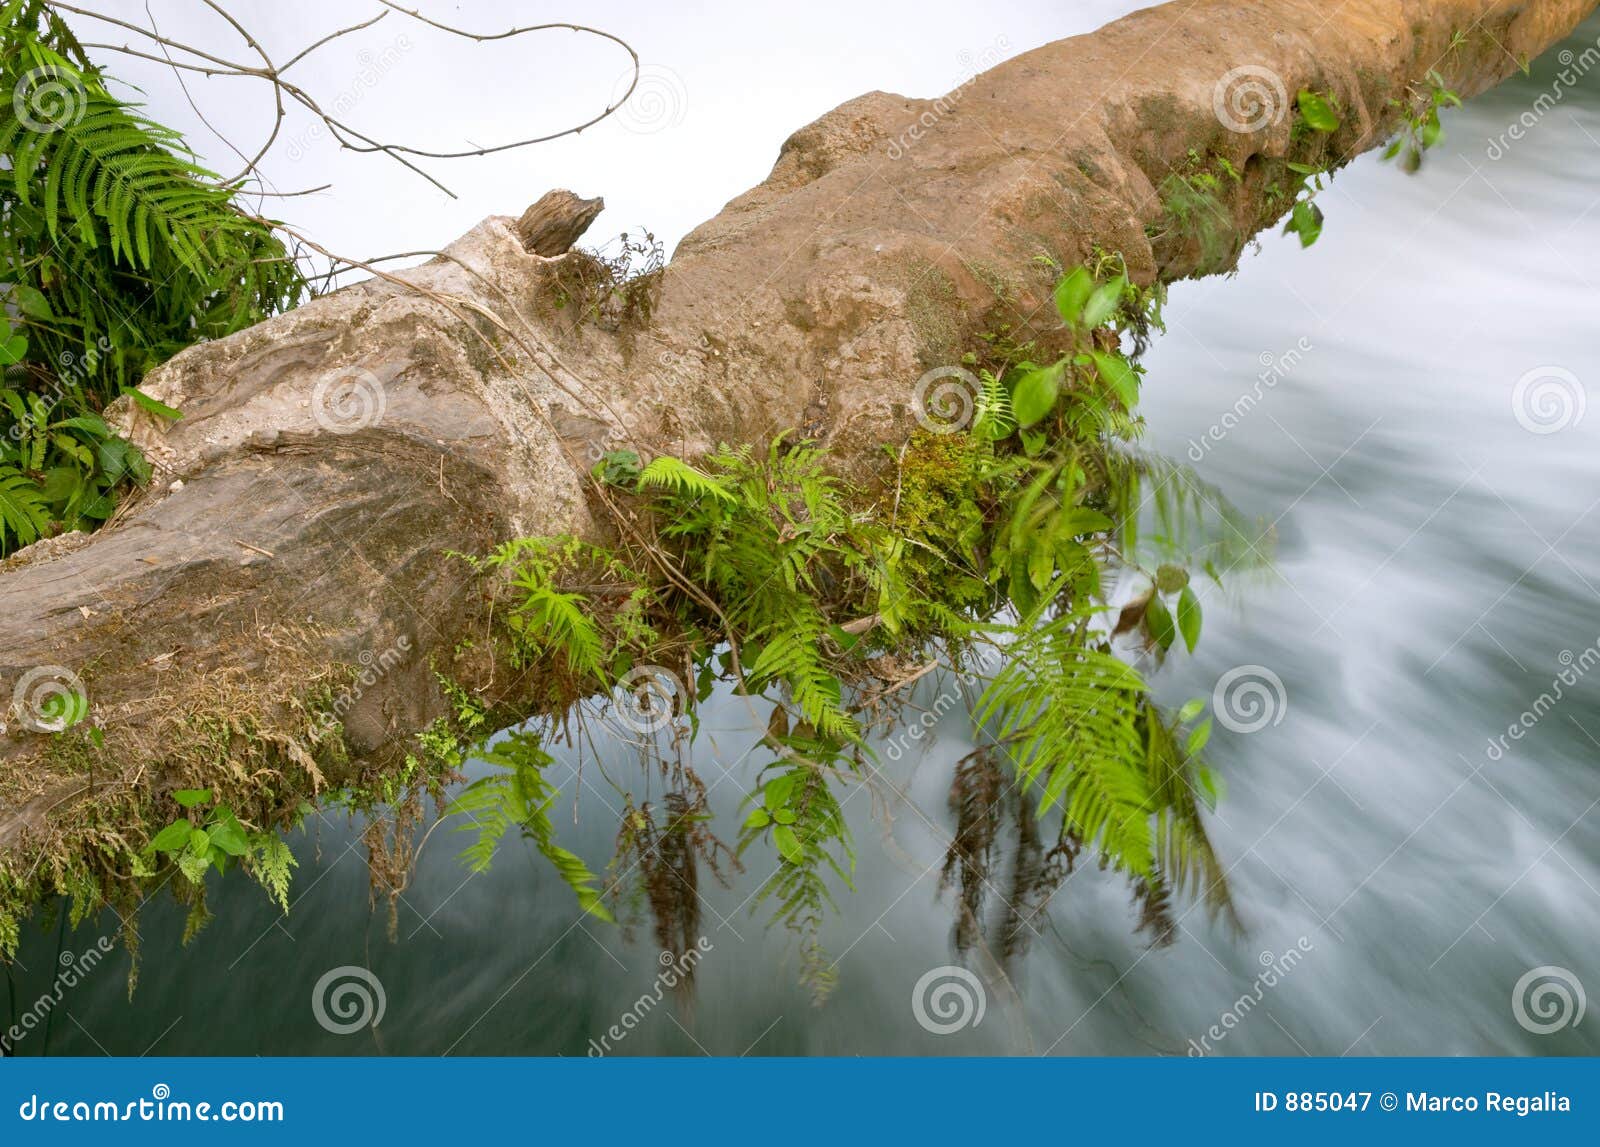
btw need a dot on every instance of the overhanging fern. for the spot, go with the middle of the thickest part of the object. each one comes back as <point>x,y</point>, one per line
<point>1069,714</point>
<point>520,798</point>
<point>117,250</point>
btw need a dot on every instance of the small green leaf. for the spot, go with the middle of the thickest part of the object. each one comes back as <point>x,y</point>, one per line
<point>64,710</point>
<point>1036,393</point>
<point>1212,785</point>
<point>758,818</point>
<point>171,838</point>
<point>788,844</point>
<point>784,816</point>
<point>1305,221</point>
<point>1198,737</point>
<point>150,404</point>
<point>1024,598</point>
<point>1033,442</point>
<point>1189,617</point>
<point>1041,563</point>
<point>13,350</point>
<point>1121,378</point>
<point>1171,578</point>
<point>199,841</point>
<point>1103,303</point>
<point>1081,520</point>
<point>1071,293</point>
<point>776,793</point>
<point>1432,133</point>
<point>1158,622</point>
<point>1191,709</point>
<point>31,302</point>
<point>1318,112</point>
<point>846,641</point>
<point>189,798</point>
<point>229,836</point>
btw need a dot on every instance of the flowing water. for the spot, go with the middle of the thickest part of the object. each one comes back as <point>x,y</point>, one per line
<point>1400,862</point>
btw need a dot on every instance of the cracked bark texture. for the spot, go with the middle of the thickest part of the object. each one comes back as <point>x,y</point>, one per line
<point>328,458</point>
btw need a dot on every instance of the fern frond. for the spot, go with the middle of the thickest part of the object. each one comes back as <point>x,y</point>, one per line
<point>1182,845</point>
<point>798,811</point>
<point>553,620</point>
<point>678,477</point>
<point>24,512</point>
<point>271,870</point>
<point>1069,716</point>
<point>793,657</point>
<point>521,798</point>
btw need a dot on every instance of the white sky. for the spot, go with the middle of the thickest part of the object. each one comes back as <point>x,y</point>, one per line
<point>730,81</point>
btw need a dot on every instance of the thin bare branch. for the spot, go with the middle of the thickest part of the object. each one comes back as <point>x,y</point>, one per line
<point>182,56</point>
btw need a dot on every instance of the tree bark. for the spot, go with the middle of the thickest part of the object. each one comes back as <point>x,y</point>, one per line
<point>329,459</point>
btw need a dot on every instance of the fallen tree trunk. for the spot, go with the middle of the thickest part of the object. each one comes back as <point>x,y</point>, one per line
<point>279,607</point>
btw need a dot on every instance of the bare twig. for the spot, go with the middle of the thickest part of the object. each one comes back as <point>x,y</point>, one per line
<point>182,56</point>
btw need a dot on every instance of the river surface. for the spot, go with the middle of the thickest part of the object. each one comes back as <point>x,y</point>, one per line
<point>1398,868</point>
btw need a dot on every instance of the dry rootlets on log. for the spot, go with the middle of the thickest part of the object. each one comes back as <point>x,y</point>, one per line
<point>329,460</point>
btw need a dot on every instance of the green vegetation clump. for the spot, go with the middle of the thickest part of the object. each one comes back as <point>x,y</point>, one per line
<point>118,250</point>
<point>978,555</point>
<point>1419,121</point>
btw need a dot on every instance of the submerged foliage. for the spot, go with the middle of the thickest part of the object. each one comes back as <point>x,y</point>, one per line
<point>984,543</point>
